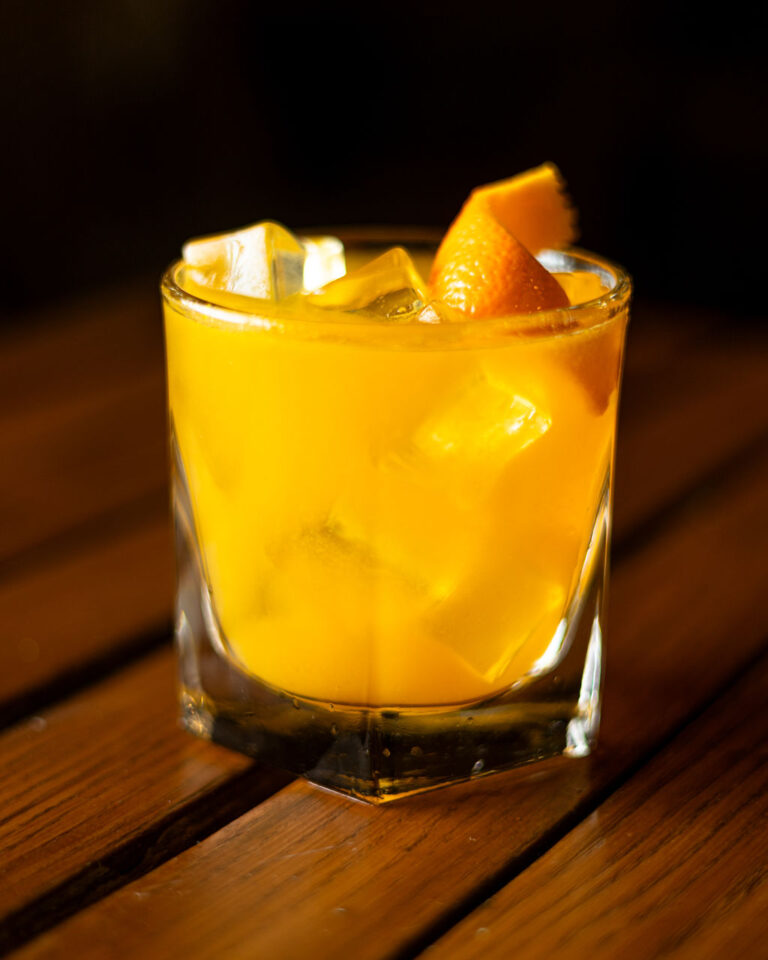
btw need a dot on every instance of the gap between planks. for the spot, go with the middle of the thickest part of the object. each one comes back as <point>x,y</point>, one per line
<point>68,623</point>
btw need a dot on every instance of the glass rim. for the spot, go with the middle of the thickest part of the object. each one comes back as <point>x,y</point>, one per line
<point>557,321</point>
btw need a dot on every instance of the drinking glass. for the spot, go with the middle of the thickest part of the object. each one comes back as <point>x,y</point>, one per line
<point>392,538</point>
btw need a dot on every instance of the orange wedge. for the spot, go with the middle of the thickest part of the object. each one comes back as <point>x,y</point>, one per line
<point>534,207</point>
<point>484,266</point>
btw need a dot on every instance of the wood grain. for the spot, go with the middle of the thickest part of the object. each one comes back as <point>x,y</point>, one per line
<point>682,418</point>
<point>82,415</point>
<point>96,604</point>
<point>307,872</point>
<point>101,788</point>
<point>85,549</point>
<point>675,864</point>
<point>81,459</point>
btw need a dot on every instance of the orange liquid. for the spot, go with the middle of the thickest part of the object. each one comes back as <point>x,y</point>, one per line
<point>388,525</point>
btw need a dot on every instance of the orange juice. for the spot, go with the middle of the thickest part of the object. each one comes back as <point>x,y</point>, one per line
<point>396,514</point>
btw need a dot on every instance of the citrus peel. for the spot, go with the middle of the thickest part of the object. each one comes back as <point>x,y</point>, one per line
<point>484,268</point>
<point>534,206</point>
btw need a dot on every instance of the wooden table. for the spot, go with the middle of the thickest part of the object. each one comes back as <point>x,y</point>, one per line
<point>122,836</point>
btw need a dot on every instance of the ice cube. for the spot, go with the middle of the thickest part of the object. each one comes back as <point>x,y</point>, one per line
<point>264,261</point>
<point>473,436</point>
<point>423,500</point>
<point>502,618</point>
<point>410,523</point>
<point>325,599</point>
<point>324,261</point>
<point>429,314</point>
<point>438,312</point>
<point>387,288</point>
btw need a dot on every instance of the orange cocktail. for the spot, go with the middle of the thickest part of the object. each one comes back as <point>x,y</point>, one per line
<point>393,498</point>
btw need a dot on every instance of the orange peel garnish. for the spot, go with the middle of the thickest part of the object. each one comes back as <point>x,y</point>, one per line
<point>484,266</point>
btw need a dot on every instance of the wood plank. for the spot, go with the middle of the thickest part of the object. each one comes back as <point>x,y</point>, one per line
<point>82,415</point>
<point>85,548</point>
<point>80,347</point>
<point>682,418</point>
<point>310,872</point>
<point>675,864</point>
<point>94,606</point>
<point>80,460</point>
<point>103,786</point>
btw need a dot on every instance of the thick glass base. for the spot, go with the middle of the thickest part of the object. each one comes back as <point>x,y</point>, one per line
<point>378,754</point>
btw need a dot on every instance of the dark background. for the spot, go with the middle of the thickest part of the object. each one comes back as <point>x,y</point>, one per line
<point>131,125</point>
